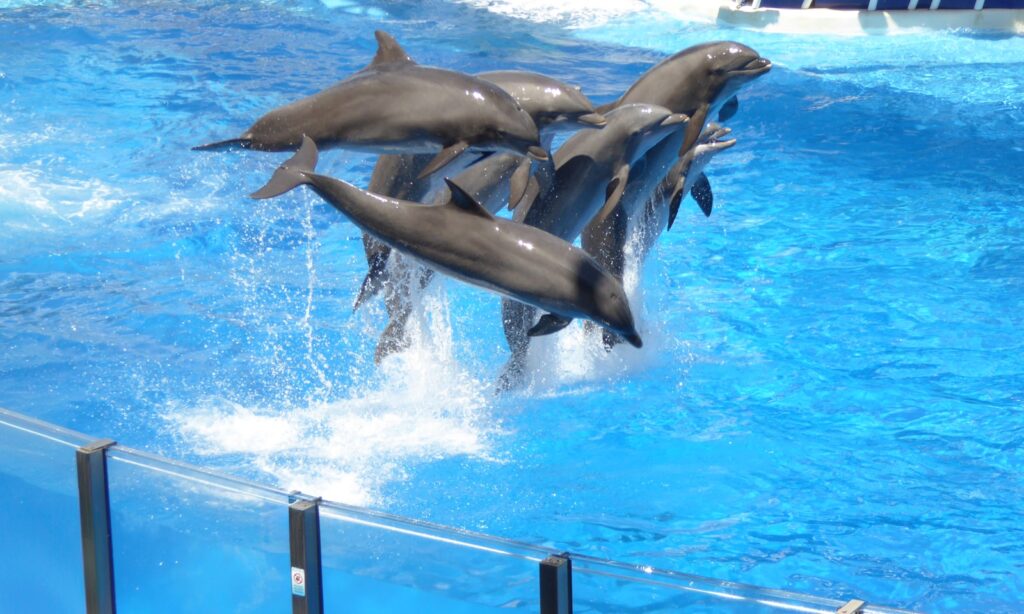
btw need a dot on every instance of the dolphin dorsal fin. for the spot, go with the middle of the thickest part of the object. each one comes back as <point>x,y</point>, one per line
<point>388,50</point>
<point>462,200</point>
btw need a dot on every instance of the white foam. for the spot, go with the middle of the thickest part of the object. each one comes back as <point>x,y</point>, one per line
<point>421,405</point>
<point>28,192</point>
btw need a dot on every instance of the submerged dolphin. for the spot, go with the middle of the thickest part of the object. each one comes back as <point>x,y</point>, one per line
<point>553,105</point>
<point>397,106</point>
<point>697,81</point>
<point>590,174</point>
<point>462,239</point>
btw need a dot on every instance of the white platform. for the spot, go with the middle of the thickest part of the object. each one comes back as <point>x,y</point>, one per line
<point>829,21</point>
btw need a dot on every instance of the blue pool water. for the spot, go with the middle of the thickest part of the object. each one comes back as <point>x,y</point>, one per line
<point>831,397</point>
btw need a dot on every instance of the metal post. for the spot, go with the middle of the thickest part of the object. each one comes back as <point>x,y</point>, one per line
<point>94,506</point>
<point>304,541</point>
<point>556,585</point>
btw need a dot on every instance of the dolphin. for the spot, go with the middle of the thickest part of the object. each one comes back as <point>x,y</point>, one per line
<point>553,105</point>
<point>697,81</point>
<point>462,239</point>
<point>592,168</point>
<point>590,174</point>
<point>606,239</point>
<point>394,105</point>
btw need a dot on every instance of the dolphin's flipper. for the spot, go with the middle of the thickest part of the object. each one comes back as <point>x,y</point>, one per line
<point>613,193</point>
<point>694,128</point>
<point>519,182</point>
<point>463,200</point>
<point>443,157</point>
<point>701,192</point>
<point>374,280</point>
<point>728,109</point>
<point>537,185</point>
<point>549,323</point>
<point>239,143</point>
<point>388,51</point>
<point>292,173</point>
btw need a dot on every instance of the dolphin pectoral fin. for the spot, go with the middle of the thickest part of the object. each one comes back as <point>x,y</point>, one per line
<point>442,158</point>
<point>673,204</point>
<point>518,183</point>
<point>463,200</point>
<point>292,173</point>
<point>728,109</point>
<point>694,128</point>
<point>240,143</point>
<point>549,323</point>
<point>613,194</point>
<point>701,192</point>
<point>374,280</point>
<point>388,51</point>
<point>537,184</point>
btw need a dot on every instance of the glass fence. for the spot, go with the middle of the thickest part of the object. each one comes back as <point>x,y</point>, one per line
<point>183,539</point>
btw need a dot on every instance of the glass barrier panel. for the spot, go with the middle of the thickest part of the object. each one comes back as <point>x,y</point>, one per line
<point>379,563</point>
<point>193,541</point>
<point>608,586</point>
<point>40,534</point>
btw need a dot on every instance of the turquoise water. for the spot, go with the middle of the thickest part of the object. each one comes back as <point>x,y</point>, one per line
<point>830,396</point>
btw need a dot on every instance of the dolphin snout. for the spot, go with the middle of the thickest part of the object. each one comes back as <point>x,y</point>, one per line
<point>593,119</point>
<point>537,153</point>
<point>757,66</point>
<point>634,339</point>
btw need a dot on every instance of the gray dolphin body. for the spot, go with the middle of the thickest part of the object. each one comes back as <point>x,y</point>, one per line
<point>553,105</point>
<point>590,174</point>
<point>646,218</point>
<point>397,106</point>
<point>464,240</point>
<point>699,81</point>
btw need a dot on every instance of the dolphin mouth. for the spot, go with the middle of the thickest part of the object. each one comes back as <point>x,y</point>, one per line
<point>634,339</point>
<point>755,67</point>
<point>593,119</point>
<point>537,153</point>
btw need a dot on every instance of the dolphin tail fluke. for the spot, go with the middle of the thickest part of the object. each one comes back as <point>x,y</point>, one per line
<point>239,143</point>
<point>292,173</point>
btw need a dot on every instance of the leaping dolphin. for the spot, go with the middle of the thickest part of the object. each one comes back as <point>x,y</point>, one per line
<point>606,239</point>
<point>397,106</point>
<point>554,106</point>
<point>697,81</point>
<point>464,240</point>
<point>590,175</point>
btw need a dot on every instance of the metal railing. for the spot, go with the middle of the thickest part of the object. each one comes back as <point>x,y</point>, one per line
<point>554,575</point>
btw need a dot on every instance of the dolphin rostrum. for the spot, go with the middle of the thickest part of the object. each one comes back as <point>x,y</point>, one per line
<point>394,105</point>
<point>462,239</point>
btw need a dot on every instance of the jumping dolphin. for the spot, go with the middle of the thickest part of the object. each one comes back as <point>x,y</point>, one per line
<point>553,105</point>
<point>606,239</point>
<point>397,106</point>
<point>697,81</point>
<point>462,239</point>
<point>590,174</point>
